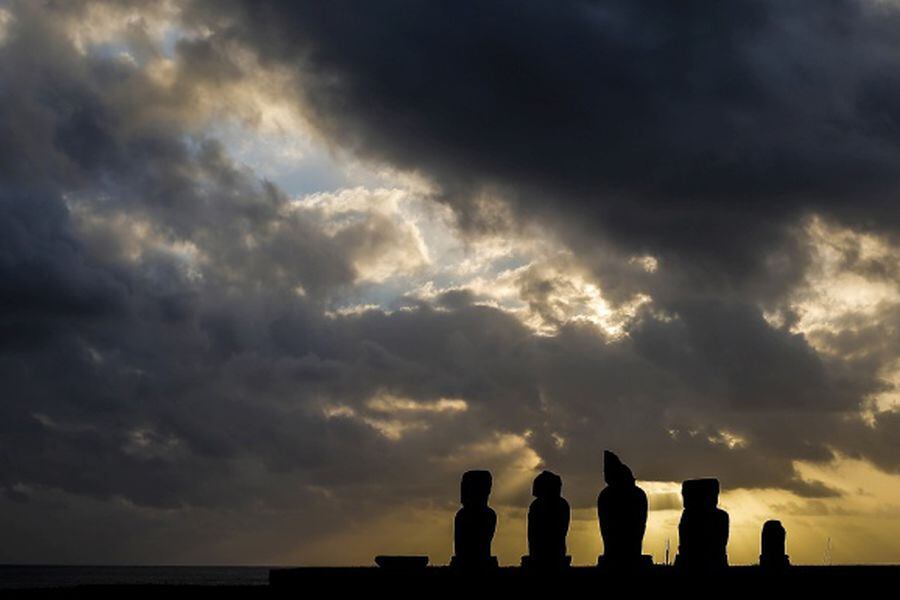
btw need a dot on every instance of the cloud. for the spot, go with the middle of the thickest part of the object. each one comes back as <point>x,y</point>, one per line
<point>630,262</point>
<point>698,134</point>
<point>380,239</point>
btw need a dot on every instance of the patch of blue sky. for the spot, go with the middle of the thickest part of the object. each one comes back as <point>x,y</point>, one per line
<point>111,50</point>
<point>294,163</point>
<point>388,295</point>
<point>170,39</point>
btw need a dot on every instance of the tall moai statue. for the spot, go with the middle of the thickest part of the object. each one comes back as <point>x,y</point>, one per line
<point>548,524</point>
<point>475,522</point>
<point>622,512</point>
<point>772,555</point>
<point>703,529</point>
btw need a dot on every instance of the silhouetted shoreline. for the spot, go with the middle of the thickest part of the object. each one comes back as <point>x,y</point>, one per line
<point>31,576</point>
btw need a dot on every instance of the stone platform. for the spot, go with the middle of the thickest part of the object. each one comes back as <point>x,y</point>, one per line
<point>584,582</point>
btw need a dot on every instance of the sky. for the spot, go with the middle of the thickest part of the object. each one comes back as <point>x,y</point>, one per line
<point>273,275</point>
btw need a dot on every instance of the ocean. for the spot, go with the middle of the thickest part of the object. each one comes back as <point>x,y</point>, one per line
<point>49,576</point>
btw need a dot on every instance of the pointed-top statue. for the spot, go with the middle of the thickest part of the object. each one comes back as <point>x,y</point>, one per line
<point>622,511</point>
<point>548,524</point>
<point>475,522</point>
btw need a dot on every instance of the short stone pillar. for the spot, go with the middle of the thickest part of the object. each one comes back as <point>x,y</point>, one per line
<point>772,555</point>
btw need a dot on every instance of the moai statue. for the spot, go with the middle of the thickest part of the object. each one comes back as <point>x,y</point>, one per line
<point>622,512</point>
<point>548,524</point>
<point>703,530</point>
<point>475,522</point>
<point>772,555</point>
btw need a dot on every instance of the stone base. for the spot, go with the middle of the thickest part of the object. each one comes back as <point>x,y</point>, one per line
<point>774,562</point>
<point>545,564</point>
<point>401,563</point>
<point>477,564</point>
<point>642,562</point>
<point>704,565</point>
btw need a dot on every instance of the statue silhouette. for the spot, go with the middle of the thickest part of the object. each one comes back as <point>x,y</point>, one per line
<point>622,512</point>
<point>772,555</point>
<point>475,522</point>
<point>703,529</point>
<point>548,524</point>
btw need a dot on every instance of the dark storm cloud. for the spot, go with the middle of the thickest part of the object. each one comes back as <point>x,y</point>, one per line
<point>134,373</point>
<point>156,354</point>
<point>102,353</point>
<point>694,132</point>
<point>700,134</point>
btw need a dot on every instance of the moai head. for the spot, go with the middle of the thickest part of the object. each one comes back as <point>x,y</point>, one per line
<point>701,494</point>
<point>614,471</point>
<point>547,485</point>
<point>475,488</point>
<point>773,537</point>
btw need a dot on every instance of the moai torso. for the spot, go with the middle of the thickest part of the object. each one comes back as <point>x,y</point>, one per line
<point>548,524</point>
<point>703,536</point>
<point>473,531</point>
<point>622,511</point>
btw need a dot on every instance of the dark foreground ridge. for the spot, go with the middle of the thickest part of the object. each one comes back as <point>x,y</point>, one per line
<point>584,582</point>
<point>421,582</point>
